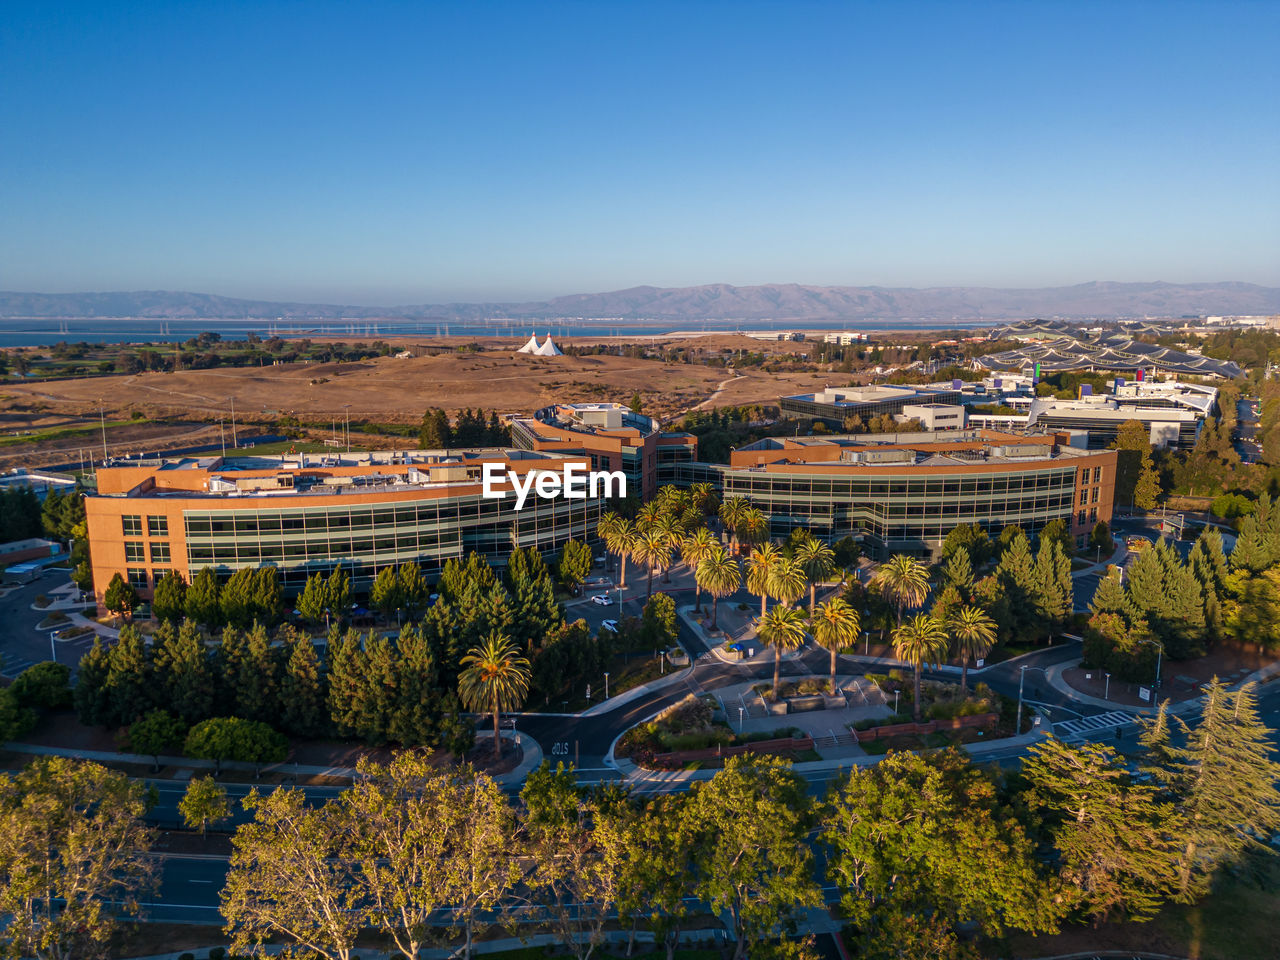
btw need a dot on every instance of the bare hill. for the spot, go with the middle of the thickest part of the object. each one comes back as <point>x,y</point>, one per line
<point>718,302</point>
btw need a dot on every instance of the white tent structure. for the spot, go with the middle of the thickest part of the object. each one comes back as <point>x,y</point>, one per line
<point>532,346</point>
<point>548,348</point>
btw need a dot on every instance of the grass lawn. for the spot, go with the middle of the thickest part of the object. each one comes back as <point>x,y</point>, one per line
<point>284,446</point>
<point>625,672</point>
<point>1237,922</point>
<point>63,433</point>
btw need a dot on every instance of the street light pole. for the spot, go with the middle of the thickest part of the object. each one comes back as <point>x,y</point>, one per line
<point>1022,678</point>
<point>1106,690</point>
<point>606,686</point>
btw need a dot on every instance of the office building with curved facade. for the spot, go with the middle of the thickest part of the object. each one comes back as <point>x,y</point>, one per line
<point>903,493</point>
<point>307,514</point>
<point>613,437</point>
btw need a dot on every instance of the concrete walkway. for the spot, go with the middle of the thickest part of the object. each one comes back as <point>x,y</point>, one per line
<point>1190,705</point>
<point>532,758</point>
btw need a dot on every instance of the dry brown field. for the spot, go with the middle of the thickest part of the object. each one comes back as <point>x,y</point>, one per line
<point>398,391</point>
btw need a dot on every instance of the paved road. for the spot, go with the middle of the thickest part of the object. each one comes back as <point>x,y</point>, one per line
<point>21,644</point>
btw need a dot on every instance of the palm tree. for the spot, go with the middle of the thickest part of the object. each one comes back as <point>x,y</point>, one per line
<point>818,561</point>
<point>835,625</point>
<point>905,580</point>
<point>786,581</point>
<point>693,550</point>
<point>920,640</point>
<point>648,515</point>
<point>670,526</point>
<point>731,513</point>
<point>974,634</point>
<point>618,534</point>
<point>652,548</point>
<point>703,496</point>
<point>783,627</point>
<point>718,573</point>
<point>495,677</point>
<point>759,568</point>
<point>753,529</point>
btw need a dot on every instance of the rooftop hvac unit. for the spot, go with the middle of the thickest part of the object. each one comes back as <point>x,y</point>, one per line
<point>880,456</point>
<point>1014,450</point>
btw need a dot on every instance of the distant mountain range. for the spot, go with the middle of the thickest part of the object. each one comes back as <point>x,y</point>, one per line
<point>784,302</point>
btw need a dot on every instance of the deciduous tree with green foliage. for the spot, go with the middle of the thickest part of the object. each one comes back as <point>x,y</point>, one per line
<point>204,802</point>
<point>750,825</point>
<point>74,858</point>
<point>156,733</point>
<point>289,879</point>
<point>45,685</point>
<point>928,835</point>
<point>232,738</point>
<point>427,839</point>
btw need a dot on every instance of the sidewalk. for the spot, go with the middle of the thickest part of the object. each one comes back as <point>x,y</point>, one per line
<point>665,780</point>
<point>532,758</point>
<point>716,936</point>
<point>1100,567</point>
<point>1054,676</point>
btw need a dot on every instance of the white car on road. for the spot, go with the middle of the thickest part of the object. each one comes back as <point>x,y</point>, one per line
<point>611,625</point>
<point>603,599</point>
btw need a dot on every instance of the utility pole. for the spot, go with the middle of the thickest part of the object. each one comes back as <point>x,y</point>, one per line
<point>234,442</point>
<point>102,417</point>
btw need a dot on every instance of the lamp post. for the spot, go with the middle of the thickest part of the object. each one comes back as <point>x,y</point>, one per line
<point>606,686</point>
<point>1106,690</point>
<point>1022,677</point>
<point>1159,659</point>
<point>346,424</point>
<point>740,719</point>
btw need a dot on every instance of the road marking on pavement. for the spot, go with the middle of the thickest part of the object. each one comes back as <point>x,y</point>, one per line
<point>1077,729</point>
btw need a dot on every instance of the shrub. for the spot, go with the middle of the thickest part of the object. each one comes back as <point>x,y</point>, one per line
<point>233,738</point>
<point>43,685</point>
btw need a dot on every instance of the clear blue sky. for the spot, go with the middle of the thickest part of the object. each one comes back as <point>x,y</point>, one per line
<point>396,153</point>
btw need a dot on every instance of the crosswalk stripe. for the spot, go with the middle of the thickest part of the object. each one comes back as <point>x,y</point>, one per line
<point>1075,729</point>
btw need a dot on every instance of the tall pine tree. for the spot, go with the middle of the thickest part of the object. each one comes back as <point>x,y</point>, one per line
<point>302,689</point>
<point>1226,783</point>
<point>183,673</point>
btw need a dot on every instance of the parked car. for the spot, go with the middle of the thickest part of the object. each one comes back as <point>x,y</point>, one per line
<point>609,625</point>
<point>603,599</point>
